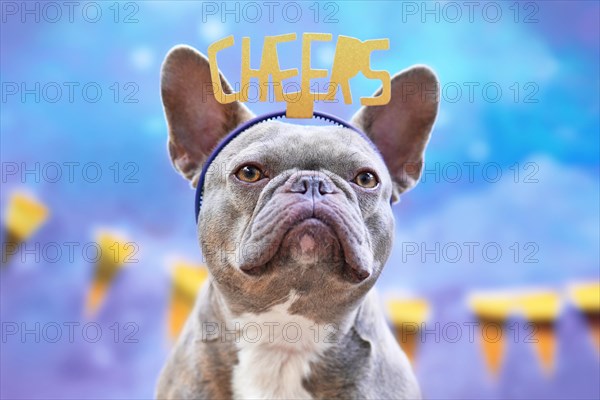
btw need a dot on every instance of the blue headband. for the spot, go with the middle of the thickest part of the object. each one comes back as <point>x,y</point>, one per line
<point>248,124</point>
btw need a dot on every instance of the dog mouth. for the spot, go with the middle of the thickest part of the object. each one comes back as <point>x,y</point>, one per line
<point>310,237</point>
<point>311,241</point>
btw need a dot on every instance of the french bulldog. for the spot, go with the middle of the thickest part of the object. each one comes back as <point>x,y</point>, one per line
<point>295,226</point>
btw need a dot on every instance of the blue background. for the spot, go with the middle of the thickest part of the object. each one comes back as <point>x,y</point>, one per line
<point>553,57</point>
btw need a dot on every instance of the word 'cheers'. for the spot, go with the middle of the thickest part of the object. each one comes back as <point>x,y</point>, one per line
<point>351,57</point>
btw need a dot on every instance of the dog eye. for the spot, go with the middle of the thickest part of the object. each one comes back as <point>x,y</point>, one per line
<point>366,179</point>
<point>249,173</point>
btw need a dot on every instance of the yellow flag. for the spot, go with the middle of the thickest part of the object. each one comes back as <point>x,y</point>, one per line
<point>114,251</point>
<point>187,279</point>
<point>586,297</point>
<point>541,308</point>
<point>407,316</point>
<point>23,217</point>
<point>492,311</point>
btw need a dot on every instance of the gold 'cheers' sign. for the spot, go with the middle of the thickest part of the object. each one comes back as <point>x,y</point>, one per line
<point>351,57</point>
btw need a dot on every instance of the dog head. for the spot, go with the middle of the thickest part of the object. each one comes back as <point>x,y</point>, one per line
<point>295,207</point>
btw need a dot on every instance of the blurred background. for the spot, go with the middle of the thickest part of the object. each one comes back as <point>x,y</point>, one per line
<point>493,284</point>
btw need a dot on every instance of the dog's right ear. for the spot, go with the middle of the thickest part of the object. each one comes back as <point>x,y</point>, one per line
<point>195,119</point>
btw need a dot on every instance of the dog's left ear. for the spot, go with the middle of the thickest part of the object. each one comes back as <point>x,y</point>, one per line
<point>401,128</point>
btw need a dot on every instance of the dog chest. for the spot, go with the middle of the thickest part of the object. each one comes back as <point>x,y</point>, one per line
<point>275,352</point>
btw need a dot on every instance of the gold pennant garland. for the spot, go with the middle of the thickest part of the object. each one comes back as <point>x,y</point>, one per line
<point>541,308</point>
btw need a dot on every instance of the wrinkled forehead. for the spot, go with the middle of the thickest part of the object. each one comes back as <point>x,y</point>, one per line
<point>305,146</point>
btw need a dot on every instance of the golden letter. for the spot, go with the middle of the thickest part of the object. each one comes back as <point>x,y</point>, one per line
<point>213,49</point>
<point>383,76</point>
<point>303,108</point>
<point>270,65</point>
<point>248,72</point>
<point>351,57</point>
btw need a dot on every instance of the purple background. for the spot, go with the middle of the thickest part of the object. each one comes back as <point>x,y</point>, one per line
<point>556,50</point>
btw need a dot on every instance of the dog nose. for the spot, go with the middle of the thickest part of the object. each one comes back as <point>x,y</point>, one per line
<point>312,184</point>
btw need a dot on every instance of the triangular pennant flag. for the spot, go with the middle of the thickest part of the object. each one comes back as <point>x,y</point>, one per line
<point>114,252</point>
<point>187,279</point>
<point>492,311</point>
<point>593,320</point>
<point>407,316</point>
<point>23,217</point>
<point>586,297</point>
<point>541,309</point>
